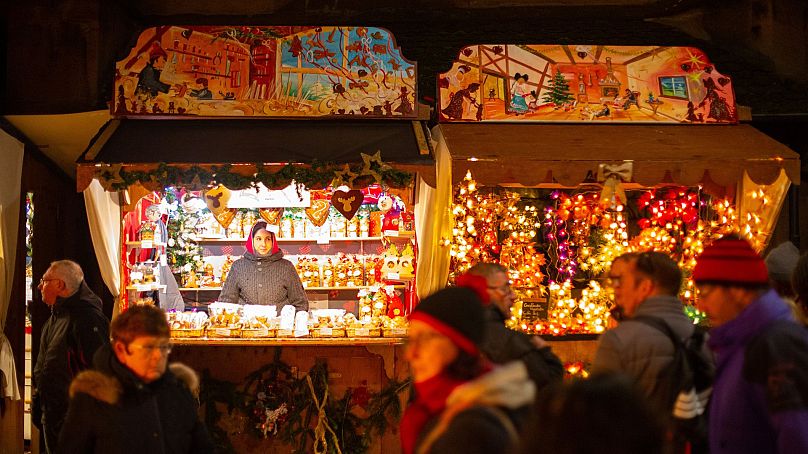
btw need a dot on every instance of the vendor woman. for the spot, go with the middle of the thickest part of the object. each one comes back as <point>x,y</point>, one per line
<point>263,276</point>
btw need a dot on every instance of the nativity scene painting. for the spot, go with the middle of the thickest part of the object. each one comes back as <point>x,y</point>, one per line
<point>265,72</point>
<point>585,83</point>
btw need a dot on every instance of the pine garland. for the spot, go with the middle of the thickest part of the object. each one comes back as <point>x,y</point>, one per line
<point>355,418</point>
<point>196,177</point>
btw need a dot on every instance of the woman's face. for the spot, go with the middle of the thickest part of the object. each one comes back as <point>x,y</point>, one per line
<point>427,351</point>
<point>262,242</point>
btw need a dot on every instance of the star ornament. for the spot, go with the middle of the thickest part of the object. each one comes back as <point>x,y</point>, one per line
<point>695,76</point>
<point>344,177</point>
<point>695,60</point>
<point>370,169</point>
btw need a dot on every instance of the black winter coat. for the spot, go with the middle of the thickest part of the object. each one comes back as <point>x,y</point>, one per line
<point>502,345</point>
<point>70,337</point>
<point>112,411</point>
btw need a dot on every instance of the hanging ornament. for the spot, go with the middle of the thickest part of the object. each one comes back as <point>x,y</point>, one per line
<point>370,169</point>
<point>216,199</point>
<point>347,202</point>
<point>344,177</point>
<point>271,215</point>
<point>385,203</point>
<point>318,212</point>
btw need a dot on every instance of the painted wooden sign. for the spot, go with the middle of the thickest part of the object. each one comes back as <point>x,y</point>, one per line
<point>265,72</point>
<point>568,83</point>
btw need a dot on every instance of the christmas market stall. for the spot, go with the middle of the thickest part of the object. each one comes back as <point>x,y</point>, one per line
<point>175,184</point>
<point>554,159</point>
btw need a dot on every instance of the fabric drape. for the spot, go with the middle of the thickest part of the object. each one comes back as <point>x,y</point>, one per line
<point>762,203</point>
<point>104,217</point>
<point>12,152</point>
<point>433,216</point>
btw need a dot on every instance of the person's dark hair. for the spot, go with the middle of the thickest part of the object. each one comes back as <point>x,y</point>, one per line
<point>605,414</point>
<point>139,321</point>
<point>658,267</point>
<point>465,366</point>
<point>799,281</point>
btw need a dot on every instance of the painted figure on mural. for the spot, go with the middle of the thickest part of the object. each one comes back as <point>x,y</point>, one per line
<point>455,108</point>
<point>519,90</point>
<point>405,106</point>
<point>719,109</point>
<point>203,92</point>
<point>149,79</point>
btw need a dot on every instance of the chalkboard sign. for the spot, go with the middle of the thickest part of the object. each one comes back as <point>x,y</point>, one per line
<point>535,309</point>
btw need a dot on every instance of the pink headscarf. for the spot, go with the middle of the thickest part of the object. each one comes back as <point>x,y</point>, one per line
<point>255,228</point>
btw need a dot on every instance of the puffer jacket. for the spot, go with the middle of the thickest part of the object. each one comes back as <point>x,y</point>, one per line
<point>113,412</point>
<point>642,352</point>
<point>75,330</point>
<point>760,396</point>
<point>481,416</point>
<point>270,280</point>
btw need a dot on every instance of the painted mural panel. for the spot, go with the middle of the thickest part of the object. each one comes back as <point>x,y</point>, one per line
<point>567,83</point>
<point>265,72</point>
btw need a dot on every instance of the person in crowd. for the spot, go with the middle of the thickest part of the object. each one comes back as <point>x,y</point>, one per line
<point>760,395</point>
<point>799,282</point>
<point>604,414</point>
<point>501,344</point>
<point>132,401</point>
<point>645,285</point>
<point>76,328</point>
<point>780,262</point>
<point>461,404</point>
<point>263,276</point>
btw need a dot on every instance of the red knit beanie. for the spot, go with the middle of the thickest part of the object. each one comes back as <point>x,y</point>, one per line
<point>730,260</point>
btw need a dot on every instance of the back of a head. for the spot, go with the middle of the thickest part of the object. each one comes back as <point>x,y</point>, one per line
<point>139,321</point>
<point>662,270</point>
<point>68,271</point>
<point>780,262</point>
<point>605,414</point>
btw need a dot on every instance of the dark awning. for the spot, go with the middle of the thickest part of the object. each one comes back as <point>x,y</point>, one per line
<point>403,144</point>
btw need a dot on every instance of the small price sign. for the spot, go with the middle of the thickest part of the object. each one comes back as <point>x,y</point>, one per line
<point>536,309</point>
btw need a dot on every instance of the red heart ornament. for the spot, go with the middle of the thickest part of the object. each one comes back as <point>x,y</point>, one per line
<point>347,203</point>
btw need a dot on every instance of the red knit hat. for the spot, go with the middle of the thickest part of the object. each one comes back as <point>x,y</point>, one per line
<point>730,260</point>
<point>455,312</point>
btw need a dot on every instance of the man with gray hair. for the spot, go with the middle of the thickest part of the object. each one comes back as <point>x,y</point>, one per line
<point>70,337</point>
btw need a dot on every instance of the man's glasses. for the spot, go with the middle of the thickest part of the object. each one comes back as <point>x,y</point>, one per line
<point>43,280</point>
<point>149,349</point>
<point>504,288</point>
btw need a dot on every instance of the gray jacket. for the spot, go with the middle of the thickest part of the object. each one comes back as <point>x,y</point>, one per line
<point>642,352</point>
<point>270,280</point>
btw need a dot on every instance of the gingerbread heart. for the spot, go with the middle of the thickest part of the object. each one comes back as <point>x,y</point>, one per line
<point>271,215</point>
<point>347,202</point>
<point>318,212</point>
<point>225,217</point>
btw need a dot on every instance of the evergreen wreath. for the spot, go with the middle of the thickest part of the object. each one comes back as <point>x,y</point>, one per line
<point>279,405</point>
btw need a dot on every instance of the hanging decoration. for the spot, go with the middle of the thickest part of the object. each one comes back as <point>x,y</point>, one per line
<point>197,177</point>
<point>278,405</point>
<point>318,211</point>
<point>216,199</point>
<point>613,176</point>
<point>271,215</point>
<point>347,202</point>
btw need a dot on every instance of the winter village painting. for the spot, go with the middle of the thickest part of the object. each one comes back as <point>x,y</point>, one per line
<point>265,72</point>
<point>585,83</point>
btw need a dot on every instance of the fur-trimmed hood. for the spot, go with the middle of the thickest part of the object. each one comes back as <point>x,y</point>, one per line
<point>108,388</point>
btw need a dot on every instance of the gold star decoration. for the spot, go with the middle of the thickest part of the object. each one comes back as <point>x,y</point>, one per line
<point>344,177</point>
<point>695,76</point>
<point>110,175</point>
<point>695,59</point>
<point>368,168</point>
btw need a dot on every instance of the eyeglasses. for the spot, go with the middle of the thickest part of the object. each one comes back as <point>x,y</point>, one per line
<point>504,288</point>
<point>416,341</point>
<point>149,349</point>
<point>43,280</point>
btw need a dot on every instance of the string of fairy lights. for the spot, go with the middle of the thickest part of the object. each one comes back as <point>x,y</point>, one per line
<point>561,247</point>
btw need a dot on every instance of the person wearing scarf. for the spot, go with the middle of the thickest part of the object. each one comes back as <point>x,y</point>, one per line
<point>263,276</point>
<point>461,402</point>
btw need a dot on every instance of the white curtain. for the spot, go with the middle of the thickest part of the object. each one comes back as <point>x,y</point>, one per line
<point>104,217</point>
<point>433,222</point>
<point>11,155</point>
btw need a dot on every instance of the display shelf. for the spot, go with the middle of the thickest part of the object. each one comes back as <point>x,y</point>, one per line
<point>145,244</point>
<point>390,234</point>
<point>288,341</point>
<point>286,240</point>
<point>304,288</point>
<point>146,287</point>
